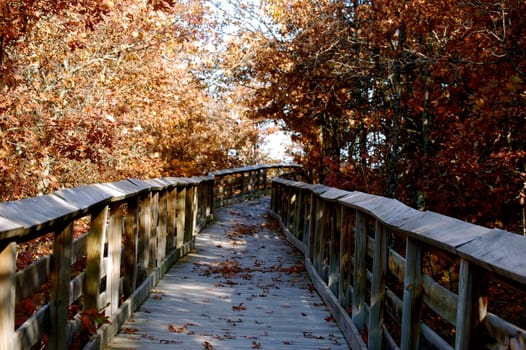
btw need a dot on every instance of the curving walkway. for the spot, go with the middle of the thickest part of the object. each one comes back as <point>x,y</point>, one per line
<point>244,287</point>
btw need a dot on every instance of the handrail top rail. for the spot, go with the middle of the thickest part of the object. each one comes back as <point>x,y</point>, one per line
<point>23,219</point>
<point>252,167</point>
<point>497,250</point>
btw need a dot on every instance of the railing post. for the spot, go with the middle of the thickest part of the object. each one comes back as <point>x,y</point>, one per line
<point>472,304</point>
<point>315,230</point>
<point>60,278</point>
<point>162,227</point>
<point>94,251</point>
<point>191,214</point>
<point>171,210</point>
<point>131,231</point>
<point>181,215</point>
<point>412,295</point>
<point>113,267</point>
<point>324,240</point>
<point>307,218</point>
<point>154,227</point>
<point>360,273</point>
<point>376,312</point>
<point>345,257</point>
<point>334,251</point>
<point>145,218</point>
<point>7,294</point>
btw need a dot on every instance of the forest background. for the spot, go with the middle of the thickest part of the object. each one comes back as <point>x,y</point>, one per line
<point>419,100</point>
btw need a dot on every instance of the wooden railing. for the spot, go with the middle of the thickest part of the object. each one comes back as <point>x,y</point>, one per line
<point>233,185</point>
<point>137,230</point>
<point>396,277</point>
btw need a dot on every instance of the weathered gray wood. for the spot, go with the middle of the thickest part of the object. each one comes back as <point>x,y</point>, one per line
<point>499,251</point>
<point>440,299</point>
<point>29,280</point>
<point>376,315</point>
<point>94,256</point>
<point>32,330</point>
<point>274,309</point>
<point>412,296</point>
<point>7,294</point>
<point>334,250</point>
<point>113,266</point>
<point>145,227</point>
<point>346,266</point>
<point>472,304</point>
<point>85,197</point>
<point>60,288</point>
<point>181,217</point>
<point>9,229</point>
<point>154,230</point>
<point>442,231</point>
<point>191,213</point>
<point>131,233</point>
<point>505,332</point>
<point>359,275</point>
<point>332,194</point>
<point>316,233</point>
<point>162,227</point>
<point>396,264</point>
<point>433,338</point>
<point>171,211</point>
<point>45,212</point>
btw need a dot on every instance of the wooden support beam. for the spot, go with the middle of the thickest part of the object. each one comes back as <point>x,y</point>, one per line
<point>472,306</point>
<point>360,272</point>
<point>7,294</point>
<point>413,288</point>
<point>94,251</point>
<point>376,312</point>
<point>59,336</point>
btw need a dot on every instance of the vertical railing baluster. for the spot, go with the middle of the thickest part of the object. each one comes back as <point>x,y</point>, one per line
<point>191,214</point>
<point>345,257</point>
<point>162,227</point>
<point>145,219</point>
<point>181,216</point>
<point>131,232</point>
<point>94,258</point>
<point>413,289</point>
<point>335,250</point>
<point>360,275</point>
<point>7,294</point>
<point>154,224</point>
<point>472,304</point>
<point>171,211</point>
<point>113,267</point>
<point>60,277</point>
<point>376,317</point>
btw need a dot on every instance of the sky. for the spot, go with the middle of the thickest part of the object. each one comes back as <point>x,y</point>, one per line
<point>275,145</point>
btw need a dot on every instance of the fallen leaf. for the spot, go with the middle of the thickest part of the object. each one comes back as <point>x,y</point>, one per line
<point>256,345</point>
<point>207,346</point>
<point>175,329</point>
<point>239,307</point>
<point>330,319</point>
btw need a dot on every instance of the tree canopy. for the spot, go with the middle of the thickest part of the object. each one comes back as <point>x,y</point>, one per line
<point>419,100</point>
<point>97,91</point>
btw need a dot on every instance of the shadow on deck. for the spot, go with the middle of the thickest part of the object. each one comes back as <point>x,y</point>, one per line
<point>243,287</point>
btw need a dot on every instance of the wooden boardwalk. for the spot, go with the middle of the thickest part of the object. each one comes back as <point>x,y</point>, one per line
<point>244,287</point>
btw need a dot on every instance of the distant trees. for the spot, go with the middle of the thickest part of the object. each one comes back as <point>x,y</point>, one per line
<point>421,100</point>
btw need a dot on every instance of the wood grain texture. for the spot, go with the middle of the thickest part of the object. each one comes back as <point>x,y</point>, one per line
<point>243,287</point>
